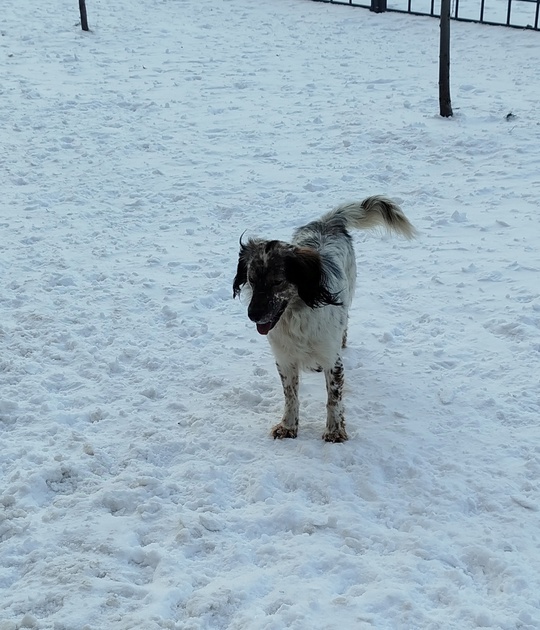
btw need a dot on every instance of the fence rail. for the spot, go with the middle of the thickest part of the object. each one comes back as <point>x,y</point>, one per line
<point>524,14</point>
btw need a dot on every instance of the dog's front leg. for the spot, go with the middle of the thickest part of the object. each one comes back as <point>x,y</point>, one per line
<point>288,427</point>
<point>335,416</point>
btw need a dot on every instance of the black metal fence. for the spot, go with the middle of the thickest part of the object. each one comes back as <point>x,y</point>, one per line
<point>513,13</point>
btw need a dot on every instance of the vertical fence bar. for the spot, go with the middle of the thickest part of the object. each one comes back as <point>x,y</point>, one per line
<point>84,18</point>
<point>456,10</point>
<point>432,13</point>
<point>537,14</point>
<point>482,6</point>
<point>445,103</point>
<point>508,13</point>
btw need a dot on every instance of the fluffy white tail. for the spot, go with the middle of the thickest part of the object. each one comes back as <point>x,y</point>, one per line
<point>373,212</point>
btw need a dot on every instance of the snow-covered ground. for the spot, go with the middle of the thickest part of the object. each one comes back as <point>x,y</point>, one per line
<point>140,488</point>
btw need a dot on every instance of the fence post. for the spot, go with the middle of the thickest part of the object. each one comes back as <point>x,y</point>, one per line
<point>84,19</point>
<point>378,6</point>
<point>445,104</point>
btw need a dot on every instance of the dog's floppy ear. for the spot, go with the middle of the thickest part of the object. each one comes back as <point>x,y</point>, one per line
<point>241,271</point>
<point>304,269</point>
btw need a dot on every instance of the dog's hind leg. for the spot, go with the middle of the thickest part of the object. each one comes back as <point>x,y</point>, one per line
<point>335,416</point>
<point>345,331</point>
<point>288,427</point>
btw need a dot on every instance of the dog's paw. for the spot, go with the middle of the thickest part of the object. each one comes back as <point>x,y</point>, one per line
<point>339,435</point>
<point>280,431</point>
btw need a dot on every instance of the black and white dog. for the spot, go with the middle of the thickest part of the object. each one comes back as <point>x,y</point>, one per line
<point>300,294</point>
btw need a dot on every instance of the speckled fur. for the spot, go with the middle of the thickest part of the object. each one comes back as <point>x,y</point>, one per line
<point>300,294</point>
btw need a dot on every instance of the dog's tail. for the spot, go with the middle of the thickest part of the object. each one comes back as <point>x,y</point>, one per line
<point>373,212</point>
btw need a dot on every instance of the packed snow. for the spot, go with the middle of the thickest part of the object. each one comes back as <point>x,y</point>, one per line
<point>140,487</point>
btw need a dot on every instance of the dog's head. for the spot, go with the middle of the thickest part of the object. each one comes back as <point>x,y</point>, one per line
<point>279,274</point>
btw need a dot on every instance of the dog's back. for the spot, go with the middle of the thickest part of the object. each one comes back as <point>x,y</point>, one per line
<point>330,237</point>
<point>318,333</point>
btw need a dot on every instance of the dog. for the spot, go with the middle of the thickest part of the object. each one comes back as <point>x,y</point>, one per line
<point>299,297</point>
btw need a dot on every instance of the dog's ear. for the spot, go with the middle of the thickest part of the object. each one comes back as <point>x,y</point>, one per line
<point>241,271</point>
<point>304,269</point>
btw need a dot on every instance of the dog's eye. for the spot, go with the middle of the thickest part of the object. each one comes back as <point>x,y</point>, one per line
<point>269,283</point>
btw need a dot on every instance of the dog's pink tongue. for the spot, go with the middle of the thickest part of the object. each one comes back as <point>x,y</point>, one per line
<point>263,329</point>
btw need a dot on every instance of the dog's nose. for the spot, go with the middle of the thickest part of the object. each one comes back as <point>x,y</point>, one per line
<point>256,312</point>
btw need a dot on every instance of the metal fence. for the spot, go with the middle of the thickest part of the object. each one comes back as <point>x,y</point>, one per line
<point>514,13</point>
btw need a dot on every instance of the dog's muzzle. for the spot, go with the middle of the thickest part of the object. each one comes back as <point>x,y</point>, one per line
<point>263,323</point>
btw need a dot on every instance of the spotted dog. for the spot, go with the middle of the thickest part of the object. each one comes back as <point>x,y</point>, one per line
<point>299,297</point>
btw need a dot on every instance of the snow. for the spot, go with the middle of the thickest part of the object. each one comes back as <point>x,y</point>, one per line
<point>140,488</point>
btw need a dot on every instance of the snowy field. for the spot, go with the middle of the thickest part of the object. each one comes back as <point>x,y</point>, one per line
<point>140,488</point>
